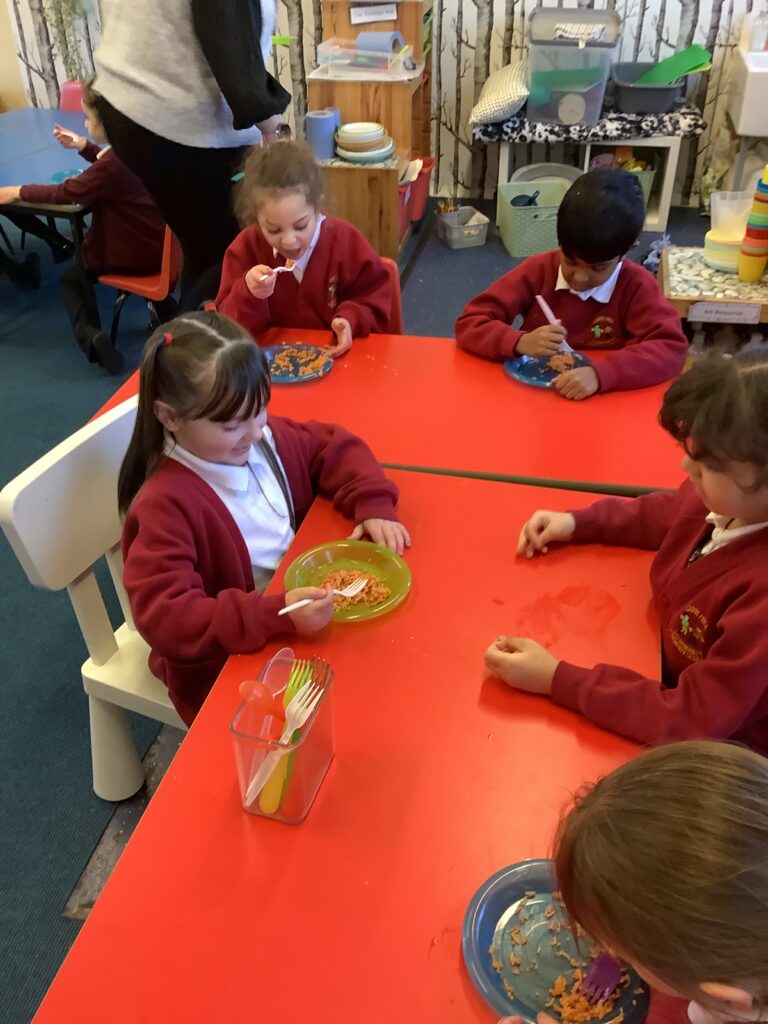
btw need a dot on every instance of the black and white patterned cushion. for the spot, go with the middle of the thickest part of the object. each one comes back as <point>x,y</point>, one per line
<point>613,126</point>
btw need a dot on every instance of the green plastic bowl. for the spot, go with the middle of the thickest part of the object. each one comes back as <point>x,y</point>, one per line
<point>311,568</point>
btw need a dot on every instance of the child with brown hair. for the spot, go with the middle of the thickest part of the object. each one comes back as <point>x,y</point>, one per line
<point>709,577</point>
<point>213,492</point>
<point>125,236</point>
<point>664,862</point>
<point>336,278</point>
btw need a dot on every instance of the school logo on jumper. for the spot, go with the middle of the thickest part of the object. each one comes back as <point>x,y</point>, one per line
<point>602,331</point>
<point>332,292</point>
<point>690,636</point>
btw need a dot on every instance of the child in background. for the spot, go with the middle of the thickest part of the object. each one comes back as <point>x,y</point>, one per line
<point>709,577</point>
<point>125,236</point>
<point>338,281</point>
<point>664,862</point>
<point>602,300</point>
<point>212,494</point>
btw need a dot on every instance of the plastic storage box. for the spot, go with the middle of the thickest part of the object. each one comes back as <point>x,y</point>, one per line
<point>295,779</point>
<point>643,99</point>
<point>340,58</point>
<point>457,233</point>
<point>569,60</point>
<point>526,230</point>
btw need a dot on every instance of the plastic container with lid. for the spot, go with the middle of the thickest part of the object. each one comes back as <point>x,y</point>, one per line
<point>569,61</point>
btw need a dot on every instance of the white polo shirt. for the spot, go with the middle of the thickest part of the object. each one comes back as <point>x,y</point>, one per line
<point>254,499</point>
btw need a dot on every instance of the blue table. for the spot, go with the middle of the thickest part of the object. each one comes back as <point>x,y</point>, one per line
<point>29,154</point>
<point>27,131</point>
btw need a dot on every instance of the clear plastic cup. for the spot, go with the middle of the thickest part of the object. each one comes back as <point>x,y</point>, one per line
<point>298,772</point>
<point>730,211</point>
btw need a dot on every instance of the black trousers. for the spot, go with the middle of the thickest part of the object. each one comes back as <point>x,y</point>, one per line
<point>192,188</point>
<point>80,303</point>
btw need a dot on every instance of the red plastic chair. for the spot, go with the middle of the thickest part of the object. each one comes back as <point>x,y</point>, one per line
<point>395,325</point>
<point>152,287</point>
<point>70,96</point>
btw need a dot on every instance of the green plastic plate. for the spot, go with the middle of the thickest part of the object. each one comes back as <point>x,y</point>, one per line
<point>311,568</point>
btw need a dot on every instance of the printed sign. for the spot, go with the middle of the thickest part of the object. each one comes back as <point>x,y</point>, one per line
<point>374,12</point>
<point>725,312</point>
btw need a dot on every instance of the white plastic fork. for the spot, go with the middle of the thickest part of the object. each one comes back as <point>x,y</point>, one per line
<point>351,590</point>
<point>296,714</point>
<point>279,270</point>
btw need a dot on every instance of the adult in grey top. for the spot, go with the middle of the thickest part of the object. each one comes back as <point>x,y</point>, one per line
<point>187,92</point>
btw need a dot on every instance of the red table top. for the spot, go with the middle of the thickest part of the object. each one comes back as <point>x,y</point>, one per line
<point>422,402</point>
<point>440,779</point>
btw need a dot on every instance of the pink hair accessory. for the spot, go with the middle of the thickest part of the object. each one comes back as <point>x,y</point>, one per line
<point>167,337</point>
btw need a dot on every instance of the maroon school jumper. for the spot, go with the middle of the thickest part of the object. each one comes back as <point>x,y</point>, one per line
<point>126,231</point>
<point>638,322</point>
<point>344,277</point>
<point>187,571</point>
<point>713,629</point>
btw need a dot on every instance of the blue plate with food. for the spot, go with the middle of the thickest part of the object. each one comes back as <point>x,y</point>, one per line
<point>524,957</point>
<point>540,371</point>
<point>297,363</point>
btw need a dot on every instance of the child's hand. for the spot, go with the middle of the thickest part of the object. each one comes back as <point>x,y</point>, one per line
<point>522,663</point>
<point>544,341</point>
<point>542,529</point>
<point>577,384</point>
<point>9,194</point>
<point>260,281</point>
<point>388,532</point>
<point>68,139</point>
<point>313,616</point>
<point>343,331</point>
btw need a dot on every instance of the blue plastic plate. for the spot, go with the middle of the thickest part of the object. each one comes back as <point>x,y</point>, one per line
<point>500,906</point>
<point>298,355</point>
<point>61,176</point>
<point>536,371</point>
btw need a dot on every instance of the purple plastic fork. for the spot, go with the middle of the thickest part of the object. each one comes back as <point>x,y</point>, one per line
<point>602,978</point>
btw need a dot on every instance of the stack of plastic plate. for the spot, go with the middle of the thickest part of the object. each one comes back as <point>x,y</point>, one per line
<point>363,142</point>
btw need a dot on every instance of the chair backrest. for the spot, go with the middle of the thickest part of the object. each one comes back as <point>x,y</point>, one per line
<point>60,515</point>
<point>170,268</point>
<point>70,96</point>
<point>395,325</point>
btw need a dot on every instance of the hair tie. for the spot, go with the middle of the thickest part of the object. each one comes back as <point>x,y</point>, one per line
<point>167,338</point>
<point>209,307</point>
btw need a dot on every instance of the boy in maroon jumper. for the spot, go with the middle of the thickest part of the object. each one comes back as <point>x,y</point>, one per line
<point>334,279</point>
<point>602,300</point>
<point>709,577</point>
<point>125,236</point>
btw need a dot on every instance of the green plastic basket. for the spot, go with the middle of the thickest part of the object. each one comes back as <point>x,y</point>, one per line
<point>646,182</point>
<point>526,230</point>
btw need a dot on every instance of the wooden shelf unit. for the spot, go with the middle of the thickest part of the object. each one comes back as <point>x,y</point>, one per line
<point>369,197</point>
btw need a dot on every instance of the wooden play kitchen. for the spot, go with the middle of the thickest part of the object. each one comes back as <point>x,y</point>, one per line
<point>370,195</point>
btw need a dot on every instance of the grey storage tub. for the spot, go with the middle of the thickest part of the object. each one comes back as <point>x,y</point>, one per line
<point>643,99</point>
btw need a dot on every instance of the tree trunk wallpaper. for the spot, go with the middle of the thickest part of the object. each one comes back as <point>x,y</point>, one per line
<point>56,40</point>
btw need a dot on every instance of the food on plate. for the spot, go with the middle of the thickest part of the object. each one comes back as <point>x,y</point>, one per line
<point>295,361</point>
<point>374,593</point>
<point>561,361</point>
<point>573,1007</point>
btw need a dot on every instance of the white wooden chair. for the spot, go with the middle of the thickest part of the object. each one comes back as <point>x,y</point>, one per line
<point>60,516</point>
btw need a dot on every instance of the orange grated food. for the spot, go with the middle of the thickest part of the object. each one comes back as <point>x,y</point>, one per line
<point>301,361</point>
<point>573,1007</point>
<point>374,593</point>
